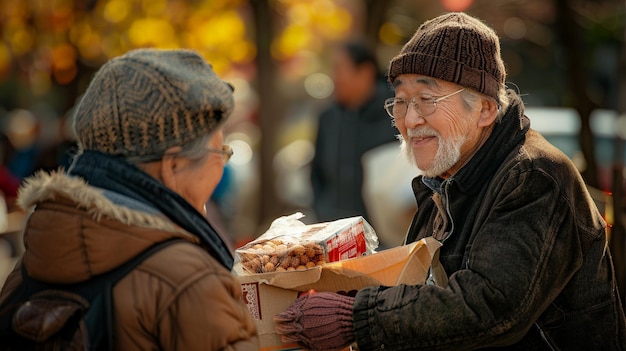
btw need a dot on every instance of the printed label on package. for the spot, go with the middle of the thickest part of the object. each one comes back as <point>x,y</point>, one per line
<point>250,296</point>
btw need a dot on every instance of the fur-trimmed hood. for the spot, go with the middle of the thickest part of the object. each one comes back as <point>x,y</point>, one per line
<point>51,186</point>
<point>74,231</point>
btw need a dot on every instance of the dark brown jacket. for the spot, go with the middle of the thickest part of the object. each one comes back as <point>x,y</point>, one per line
<point>525,251</point>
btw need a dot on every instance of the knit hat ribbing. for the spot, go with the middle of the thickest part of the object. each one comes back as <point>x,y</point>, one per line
<point>148,100</point>
<point>457,48</point>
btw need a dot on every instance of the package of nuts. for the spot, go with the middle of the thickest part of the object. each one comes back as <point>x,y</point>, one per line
<point>290,245</point>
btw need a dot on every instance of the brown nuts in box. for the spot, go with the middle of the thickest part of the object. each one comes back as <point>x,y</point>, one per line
<point>276,255</point>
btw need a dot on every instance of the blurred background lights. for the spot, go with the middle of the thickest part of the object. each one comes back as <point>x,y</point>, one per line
<point>390,34</point>
<point>295,155</point>
<point>155,32</point>
<point>242,152</point>
<point>319,85</point>
<point>456,5</point>
<point>515,28</point>
<point>116,11</point>
<point>5,59</point>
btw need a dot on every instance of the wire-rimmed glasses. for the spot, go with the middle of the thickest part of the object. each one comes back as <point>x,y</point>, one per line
<point>424,105</point>
<point>226,151</point>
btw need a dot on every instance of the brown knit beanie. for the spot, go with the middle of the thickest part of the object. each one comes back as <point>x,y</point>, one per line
<point>148,100</point>
<point>457,48</point>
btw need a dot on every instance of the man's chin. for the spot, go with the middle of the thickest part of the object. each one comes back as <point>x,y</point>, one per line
<point>410,156</point>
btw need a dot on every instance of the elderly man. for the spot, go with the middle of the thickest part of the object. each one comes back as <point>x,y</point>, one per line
<point>524,247</point>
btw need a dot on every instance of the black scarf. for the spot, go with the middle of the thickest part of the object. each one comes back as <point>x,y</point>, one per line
<point>114,174</point>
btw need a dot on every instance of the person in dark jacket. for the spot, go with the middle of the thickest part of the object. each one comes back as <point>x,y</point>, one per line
<point>353,124</point>
<point>524,247</point>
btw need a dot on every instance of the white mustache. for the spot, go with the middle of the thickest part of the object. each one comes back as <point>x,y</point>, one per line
<point>422,133</point>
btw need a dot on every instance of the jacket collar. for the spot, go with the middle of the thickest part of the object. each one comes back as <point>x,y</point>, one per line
<point>116,175</point>
<point>44,187</point>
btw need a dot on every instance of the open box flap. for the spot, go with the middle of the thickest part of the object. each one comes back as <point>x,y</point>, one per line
<point>416,268</point>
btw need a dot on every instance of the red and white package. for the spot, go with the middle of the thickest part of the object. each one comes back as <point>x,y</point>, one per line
<point>291,245</point>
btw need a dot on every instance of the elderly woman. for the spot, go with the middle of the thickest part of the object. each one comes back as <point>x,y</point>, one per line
<point>150,154</point>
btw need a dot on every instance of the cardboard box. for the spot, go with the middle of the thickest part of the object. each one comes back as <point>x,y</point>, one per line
<point>268,294</point>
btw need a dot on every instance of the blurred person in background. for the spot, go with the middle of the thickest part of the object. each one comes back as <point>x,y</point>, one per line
<point>354,123</point>
<point>62,147</point>
<point>21,144</point>
<point>8,182</point>
<point>9,185</point>
<point>150,154</point>
<point>26,149</point>
<point>524,263</point>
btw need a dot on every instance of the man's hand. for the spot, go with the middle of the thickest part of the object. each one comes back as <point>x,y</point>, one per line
<point>318,321</point>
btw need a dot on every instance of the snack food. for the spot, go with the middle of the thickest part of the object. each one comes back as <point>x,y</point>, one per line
<point>291,245</point>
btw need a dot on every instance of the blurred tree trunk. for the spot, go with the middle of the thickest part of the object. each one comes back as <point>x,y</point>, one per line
<point>578,81</point>
<point>376,11</point>
<point>270,116</point>
<point>617,245</point>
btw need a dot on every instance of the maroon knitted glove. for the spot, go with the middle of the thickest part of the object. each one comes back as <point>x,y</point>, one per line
<point>318,321</point>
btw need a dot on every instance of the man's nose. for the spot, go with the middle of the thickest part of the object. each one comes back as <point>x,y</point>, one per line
<point>413,118</point>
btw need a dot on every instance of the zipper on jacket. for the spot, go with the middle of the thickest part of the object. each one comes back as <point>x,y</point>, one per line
<point>544,337</point>
<point>430,280</point>
<point>446,198</point>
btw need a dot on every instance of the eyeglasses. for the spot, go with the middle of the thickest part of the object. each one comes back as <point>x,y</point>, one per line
<point>425,105</point>
<point>226,151</point>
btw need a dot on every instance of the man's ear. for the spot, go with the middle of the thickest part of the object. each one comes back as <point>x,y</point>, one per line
<point>169,165</point>
<point>488,113</point>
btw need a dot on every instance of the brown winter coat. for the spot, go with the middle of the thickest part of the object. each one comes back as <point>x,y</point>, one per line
<point>180,298</point>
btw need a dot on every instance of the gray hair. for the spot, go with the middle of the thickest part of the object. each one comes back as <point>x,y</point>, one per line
<point>195,150</point>
<point>470,97</point>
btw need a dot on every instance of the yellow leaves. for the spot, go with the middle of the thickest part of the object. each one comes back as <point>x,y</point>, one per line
<point>220,29</point>
<point>310,24</point>
<point>60,33</point>
<point>220,38</point>
<point>64,63</point>
<point>5,59</point>
<point>156,8</point>
<point>116,11</point>
<point>86,39</point>
<point>390,34</point>
<point>153,32</point>
<point>21,40</point>
<point>63,56</point>
<point>242,52</point>
<point>333,24</point>
<point>293,39</point>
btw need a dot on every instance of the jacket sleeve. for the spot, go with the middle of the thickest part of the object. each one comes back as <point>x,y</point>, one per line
<point>524,251</point>
<point>183,299</point>
<point>209,315</point>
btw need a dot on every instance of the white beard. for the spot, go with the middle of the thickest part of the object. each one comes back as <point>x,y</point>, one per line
<point>448,153</point>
